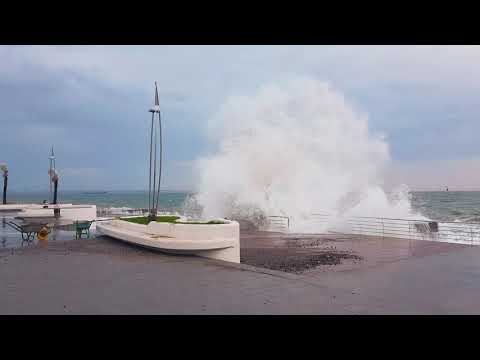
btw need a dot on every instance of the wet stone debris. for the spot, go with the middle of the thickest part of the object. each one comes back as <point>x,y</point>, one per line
<point>282,259</point>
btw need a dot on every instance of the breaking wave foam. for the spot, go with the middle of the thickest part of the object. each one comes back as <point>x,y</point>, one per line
<point>294,149</point>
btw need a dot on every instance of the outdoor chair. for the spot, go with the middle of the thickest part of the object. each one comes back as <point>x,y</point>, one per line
<point>82,228</point>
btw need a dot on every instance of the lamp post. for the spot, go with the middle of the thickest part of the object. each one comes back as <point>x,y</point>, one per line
<point>54,179</point>
<point>155,159</point>
<point>52,168</point>
<point>4,169</point>
<point>52,172</point>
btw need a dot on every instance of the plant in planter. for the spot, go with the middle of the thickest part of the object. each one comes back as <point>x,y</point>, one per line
<point>211,222</point>
<point>4,169</point>
<point>172,219</point>
<point>145,220</point>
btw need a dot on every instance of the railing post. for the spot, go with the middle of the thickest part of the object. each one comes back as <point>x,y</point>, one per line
<point>383,230</point>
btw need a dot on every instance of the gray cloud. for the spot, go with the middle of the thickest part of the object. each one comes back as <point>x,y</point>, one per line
<point>91,102</point>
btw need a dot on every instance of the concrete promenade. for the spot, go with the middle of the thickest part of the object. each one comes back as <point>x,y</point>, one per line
<point>102,276</point>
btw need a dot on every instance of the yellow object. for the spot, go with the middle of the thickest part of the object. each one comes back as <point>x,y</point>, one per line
<point>43,234</point>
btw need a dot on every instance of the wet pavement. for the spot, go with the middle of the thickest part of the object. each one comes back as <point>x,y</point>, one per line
<point>321,274</point>
<point>104,276</point>
<point>313,254</point>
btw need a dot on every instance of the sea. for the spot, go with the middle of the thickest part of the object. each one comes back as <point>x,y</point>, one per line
<point>171,201</point>
<point>440,206</point>
<point>447,206</point>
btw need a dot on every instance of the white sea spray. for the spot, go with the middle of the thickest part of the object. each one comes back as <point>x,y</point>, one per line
<point>295,149</point>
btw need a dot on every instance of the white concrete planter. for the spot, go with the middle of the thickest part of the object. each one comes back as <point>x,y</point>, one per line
<point>216,241</point>
<point>67,211</point>
<point>15,207</point>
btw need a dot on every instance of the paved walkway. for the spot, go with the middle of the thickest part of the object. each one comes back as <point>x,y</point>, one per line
<point>101,276</point>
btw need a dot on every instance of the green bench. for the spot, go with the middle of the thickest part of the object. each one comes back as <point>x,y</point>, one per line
<point>82,228</point>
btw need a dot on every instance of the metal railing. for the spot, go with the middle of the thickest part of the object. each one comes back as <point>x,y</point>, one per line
<point>277,223</point>
<point>119,211</point>
<point>319,223</point>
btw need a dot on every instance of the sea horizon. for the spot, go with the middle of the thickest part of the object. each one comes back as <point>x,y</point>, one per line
<point>13,190</point>
<point>453,205</point>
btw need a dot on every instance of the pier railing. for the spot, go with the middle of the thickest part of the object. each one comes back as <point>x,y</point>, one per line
<point>119,211</point>
<point>278,223</point>
<point>322,223</point>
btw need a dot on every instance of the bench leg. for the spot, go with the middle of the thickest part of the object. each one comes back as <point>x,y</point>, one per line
<point>28,236</point>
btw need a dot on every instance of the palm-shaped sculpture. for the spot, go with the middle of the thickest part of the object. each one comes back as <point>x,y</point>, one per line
<point>4,169</point>
<point>155,159</point>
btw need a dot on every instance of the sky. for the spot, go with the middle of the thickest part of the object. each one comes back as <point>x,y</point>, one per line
<point>91,103</point>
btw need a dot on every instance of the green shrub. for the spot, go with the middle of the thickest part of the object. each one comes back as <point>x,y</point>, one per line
<point>143,220</point>
<point>211,222</point>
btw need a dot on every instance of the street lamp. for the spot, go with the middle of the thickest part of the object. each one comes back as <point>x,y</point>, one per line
<point>54,177</point>
<point>4,170</point>
<point>155,159</point>
<point>52,168</point>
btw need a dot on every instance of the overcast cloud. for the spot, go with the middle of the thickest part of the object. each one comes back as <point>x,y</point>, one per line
<point>91,103</point>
